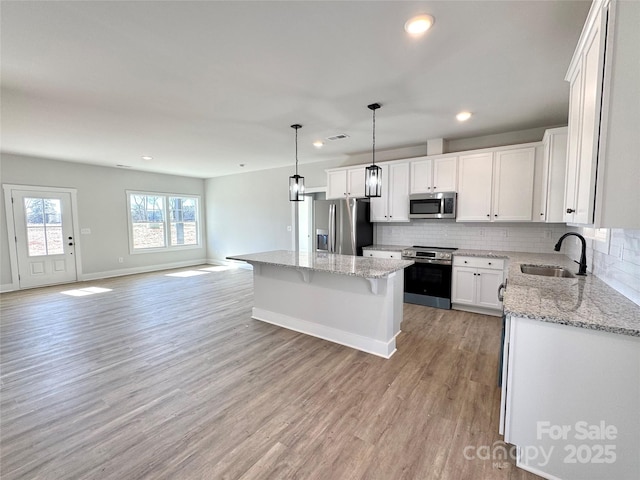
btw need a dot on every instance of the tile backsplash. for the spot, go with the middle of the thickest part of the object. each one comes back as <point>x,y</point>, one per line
<point>614,258</point>
<point>515,237</point>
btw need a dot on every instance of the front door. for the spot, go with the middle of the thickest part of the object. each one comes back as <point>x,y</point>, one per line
<point>44,237</point>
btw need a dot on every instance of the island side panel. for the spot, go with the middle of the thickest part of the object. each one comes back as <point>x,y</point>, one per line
<point>340,308</point>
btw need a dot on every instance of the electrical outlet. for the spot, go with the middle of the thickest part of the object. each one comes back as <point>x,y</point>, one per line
<point>481,232</point>
<point>547,234</point>
<point>120,260</point>
<point>85,231</point>
<point>288,228</point>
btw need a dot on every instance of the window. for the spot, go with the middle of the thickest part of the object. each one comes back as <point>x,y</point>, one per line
<point>162,221</point>
<point>44,226</point>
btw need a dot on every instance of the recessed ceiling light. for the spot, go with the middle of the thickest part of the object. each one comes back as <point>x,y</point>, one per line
<point>241,164</point>
<point>419,24</point>
<point>463,116</point>
<point>318,144</point>
<point>147,157</point>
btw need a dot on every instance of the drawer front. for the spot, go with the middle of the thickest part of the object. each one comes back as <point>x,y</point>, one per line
<point>479,262</point>
<point>382,254</point>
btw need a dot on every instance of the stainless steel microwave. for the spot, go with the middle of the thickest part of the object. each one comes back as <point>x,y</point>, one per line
<point>433,205</point>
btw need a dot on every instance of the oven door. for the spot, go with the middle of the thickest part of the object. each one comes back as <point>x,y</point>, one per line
<point>428,283</point>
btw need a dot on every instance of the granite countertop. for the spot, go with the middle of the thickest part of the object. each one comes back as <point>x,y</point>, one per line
<point>386,248</point>
<point>585,302</point>
<point>367,267</point>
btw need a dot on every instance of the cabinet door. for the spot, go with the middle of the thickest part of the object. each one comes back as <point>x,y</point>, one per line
<point>445,174</point>
<point>573,145</point>
<point>463,285</point>
<point>378,211</point>
<point>336,184</point>
<point>557,158</point>
<point>589,126</point>
<point>474,187</point>
<point>421,180</point>
<point>398,188</point>
<point>355,182</point>
<point>513,185</point>
<point>488,282</point>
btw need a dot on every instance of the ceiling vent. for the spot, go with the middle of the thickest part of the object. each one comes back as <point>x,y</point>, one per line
<point>340,136</point>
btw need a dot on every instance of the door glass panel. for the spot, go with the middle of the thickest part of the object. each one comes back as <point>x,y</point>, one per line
<point>44,226</point>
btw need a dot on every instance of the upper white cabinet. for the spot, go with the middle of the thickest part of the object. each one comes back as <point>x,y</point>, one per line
<point>603,165</point>
<point>393,205</point>
<point>346,182</point>
<point>429,174</point>
<point>551,160</point>
<point>474,187</point>
<point>496,186</point>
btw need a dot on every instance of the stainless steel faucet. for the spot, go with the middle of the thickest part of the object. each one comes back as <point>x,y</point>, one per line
<point>583,255</point>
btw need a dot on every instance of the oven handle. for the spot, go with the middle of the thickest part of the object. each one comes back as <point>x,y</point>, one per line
<point>428,260</point>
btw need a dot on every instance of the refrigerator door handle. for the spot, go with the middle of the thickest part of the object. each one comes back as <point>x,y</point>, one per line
<point>332,228</point>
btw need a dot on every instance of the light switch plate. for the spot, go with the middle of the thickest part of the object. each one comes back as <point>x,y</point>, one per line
<point>85,231</point>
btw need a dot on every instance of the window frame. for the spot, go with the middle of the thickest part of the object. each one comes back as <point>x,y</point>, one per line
<point>166,222</point>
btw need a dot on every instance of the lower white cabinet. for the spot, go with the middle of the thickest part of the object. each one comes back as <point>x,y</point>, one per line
<point>382,254</point>
<point>570,400</point>
<point>475,282</point>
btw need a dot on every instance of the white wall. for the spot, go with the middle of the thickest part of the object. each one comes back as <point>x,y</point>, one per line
<point>250,212</point>
<point>514,237</point>
<point>102,207</point>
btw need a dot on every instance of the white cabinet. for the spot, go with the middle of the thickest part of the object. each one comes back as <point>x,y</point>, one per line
<point>548,199</point>
<point>345,181</point>
<point>475,282</point>
<point>602,173</point>
<point>585,83</point>
<point>579,380</point>
<point>393,205</point>
<point>474,187</point>
<point>496,185</point>
<point>429,175</point>
<point>397,254</point>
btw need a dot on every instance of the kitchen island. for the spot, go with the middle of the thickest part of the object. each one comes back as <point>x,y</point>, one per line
<point>353,301</point>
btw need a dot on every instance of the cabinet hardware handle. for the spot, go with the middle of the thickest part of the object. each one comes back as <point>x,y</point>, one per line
<point>495,214</point>
<point>465,261</point>
<point>70,244</point>
<point>542,214</point>
<point>489,263</point>
<point>570,210</point>
<point>434,187</point>
<point>488,215</point>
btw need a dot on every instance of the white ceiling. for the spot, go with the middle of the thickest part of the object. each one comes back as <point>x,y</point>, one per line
<point>205,86</point>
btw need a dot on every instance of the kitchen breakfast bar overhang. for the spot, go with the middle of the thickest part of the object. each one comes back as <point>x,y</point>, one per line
<point>353,301</point>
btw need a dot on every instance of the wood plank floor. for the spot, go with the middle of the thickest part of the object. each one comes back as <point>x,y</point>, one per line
<point>169,378</point>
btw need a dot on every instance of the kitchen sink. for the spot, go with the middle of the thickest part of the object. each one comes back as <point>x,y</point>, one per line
<point>546,271</point>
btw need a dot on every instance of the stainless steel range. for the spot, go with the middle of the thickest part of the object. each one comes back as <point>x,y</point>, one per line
<point>428,280</point>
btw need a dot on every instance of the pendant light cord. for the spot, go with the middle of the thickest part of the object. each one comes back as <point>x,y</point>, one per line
<point>296,151</point>
<point>373,156</point>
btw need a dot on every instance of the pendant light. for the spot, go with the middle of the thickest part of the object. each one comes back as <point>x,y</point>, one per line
<point>373,173</point>
<point>296,182</point>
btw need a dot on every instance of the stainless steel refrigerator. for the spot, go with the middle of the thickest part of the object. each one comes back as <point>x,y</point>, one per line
<point>342,226</point>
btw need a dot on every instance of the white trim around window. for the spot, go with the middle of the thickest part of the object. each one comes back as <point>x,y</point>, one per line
<point>160,224</point>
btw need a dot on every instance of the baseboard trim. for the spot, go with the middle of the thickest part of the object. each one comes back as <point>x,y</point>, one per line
<point>352,340</point>
<point>8,287</point>
<point>480,310</point>
<point>135,270</point>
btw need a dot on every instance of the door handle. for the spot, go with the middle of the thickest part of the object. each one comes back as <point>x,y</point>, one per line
<point>70,244</point>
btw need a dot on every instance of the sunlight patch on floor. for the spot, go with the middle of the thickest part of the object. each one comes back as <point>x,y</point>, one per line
<point>186,273</point>
<point>81,292</point>
<point>220,268</point>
